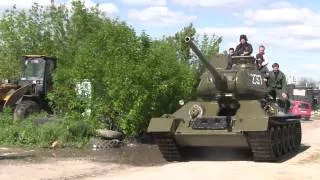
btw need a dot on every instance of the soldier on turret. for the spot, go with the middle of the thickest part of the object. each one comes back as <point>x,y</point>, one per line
<point>231,51</point>
<point>230,63</point>
<point>244,48</point>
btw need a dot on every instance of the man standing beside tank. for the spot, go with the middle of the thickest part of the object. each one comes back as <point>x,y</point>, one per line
<point>244,48</point>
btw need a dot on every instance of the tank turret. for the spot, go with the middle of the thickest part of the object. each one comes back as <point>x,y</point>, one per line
<point>220,81</point>
<point>244,81</point>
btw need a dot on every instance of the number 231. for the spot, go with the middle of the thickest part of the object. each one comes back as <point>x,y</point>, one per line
<point>256,79</point>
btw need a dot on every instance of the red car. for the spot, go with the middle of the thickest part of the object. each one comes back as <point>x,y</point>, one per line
<point>301,108</point>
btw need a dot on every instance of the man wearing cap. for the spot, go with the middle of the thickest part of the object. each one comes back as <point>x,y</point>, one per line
<point>244,48</point>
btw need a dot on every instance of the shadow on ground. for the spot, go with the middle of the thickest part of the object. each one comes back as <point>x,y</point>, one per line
<point>130,154</point>
<point>149,155</point>
<point>17,156</point>
<point>138,154</point>
<point>217,154</point>
<point>231,154</point>
<point>303,148</point>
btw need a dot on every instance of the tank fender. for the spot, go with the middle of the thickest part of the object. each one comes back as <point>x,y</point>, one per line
<point>163,125</point>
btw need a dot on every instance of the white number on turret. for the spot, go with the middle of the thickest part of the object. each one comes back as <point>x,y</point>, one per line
<point>256,79</point>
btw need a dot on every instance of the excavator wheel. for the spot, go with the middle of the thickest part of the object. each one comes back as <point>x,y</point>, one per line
<point>25,108</point>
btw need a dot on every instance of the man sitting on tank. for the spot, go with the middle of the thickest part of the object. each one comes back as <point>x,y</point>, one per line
<point>244,48</point>
<point>277,86</point>
<point>230,62</point>
<point>262,61</point>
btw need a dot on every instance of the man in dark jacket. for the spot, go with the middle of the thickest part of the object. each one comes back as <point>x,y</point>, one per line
<point>262,61</point>
<point>277,84</point>
<point>244,48</point>
<point>231,53</point>
<point>277,81</point>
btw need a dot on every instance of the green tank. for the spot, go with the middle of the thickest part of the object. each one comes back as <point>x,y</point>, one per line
<point>232,109</point>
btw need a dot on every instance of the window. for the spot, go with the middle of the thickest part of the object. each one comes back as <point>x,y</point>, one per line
<point>304,106</point>
<point>34,68</point>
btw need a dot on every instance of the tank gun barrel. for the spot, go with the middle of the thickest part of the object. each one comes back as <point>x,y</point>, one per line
<point>220,81</point>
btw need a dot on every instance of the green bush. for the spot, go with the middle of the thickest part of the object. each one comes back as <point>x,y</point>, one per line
<point>133,77</point>
<point>71,132</point>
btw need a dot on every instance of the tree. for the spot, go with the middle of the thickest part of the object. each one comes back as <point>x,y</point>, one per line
<point>132,79</point>
<point>209,47</point>
<point>182,47</point>
<point>308,82</point>
<point>33,31</point>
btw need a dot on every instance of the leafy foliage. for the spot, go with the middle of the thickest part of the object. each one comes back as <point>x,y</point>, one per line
<point>133,77</point>
<point>309,82</point>
<point>71,132</point>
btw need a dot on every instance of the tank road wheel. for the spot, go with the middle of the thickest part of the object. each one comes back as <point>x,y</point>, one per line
<point>294,137</point>
<point>168,147</point>
<point>272,138</point>
<point>297,135</point>
<point>274,141</point>
<point>278,149</point>
<point>263,145</point>
<point>285,144</point>
<point>25,108</point>
<point>291,137</point>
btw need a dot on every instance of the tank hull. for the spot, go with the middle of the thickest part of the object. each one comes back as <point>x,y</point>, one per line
<point>269,137</point>
<point>213,139</point>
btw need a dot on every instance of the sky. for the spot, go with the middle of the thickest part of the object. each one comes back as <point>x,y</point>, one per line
<point>289,29</point>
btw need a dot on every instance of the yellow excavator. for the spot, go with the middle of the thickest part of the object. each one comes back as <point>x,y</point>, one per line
<point>29,94</point>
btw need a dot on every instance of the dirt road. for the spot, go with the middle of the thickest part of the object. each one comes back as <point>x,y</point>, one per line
<point>134,164</point>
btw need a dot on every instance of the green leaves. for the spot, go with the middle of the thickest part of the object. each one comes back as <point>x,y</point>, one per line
<point>133,77</point>
<point>33,31</point>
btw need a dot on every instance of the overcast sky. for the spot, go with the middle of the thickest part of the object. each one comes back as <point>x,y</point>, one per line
<point>290,30</point>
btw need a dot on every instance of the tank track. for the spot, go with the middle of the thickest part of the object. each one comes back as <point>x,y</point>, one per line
<point>281,139</point>
<point>168,147</point>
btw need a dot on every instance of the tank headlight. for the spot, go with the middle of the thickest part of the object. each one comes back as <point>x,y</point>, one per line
<point>222,105</point>
<point>195,111</point>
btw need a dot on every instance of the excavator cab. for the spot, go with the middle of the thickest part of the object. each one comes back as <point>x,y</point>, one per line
<point>38,71</point>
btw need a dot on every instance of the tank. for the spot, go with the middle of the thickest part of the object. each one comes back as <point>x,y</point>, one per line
<point>232,110</point>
